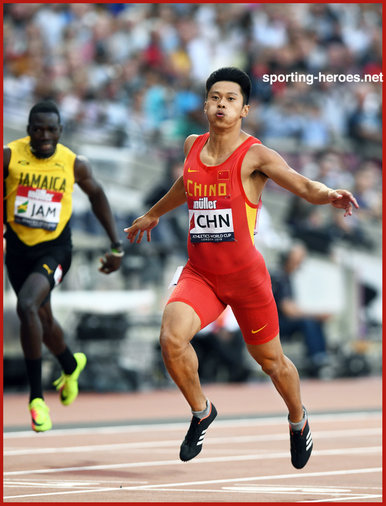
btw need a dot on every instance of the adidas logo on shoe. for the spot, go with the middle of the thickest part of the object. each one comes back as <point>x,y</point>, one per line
<point>301,445</point>
<point>192,444</point>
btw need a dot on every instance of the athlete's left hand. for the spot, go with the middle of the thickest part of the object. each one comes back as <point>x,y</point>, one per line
<point>343,199</point>
<point>110,263</point>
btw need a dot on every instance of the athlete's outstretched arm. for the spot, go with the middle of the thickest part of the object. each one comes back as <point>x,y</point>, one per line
<point>273,165</point>
<point>100,207</point>
<point>174,197</point>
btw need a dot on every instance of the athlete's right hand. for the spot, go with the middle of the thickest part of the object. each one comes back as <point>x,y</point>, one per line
<point>141,225</point>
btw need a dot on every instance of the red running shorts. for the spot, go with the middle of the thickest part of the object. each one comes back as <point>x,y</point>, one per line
<point>248,292</point>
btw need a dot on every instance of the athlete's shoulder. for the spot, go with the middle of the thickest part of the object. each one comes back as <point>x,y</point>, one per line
<point>258,149</point>
<point>251,139</point>
<point>18,142</point>
<point>82,164</point>
<point>189,141</point>
<point>61,148</point>
<point>258,156</point>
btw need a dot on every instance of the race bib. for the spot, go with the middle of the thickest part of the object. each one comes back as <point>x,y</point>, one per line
<point>37,208</point>
<point>211,225</point>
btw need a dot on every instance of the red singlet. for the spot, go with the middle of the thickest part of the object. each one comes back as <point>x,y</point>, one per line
<point>222,220</point>
<point>224,266</point>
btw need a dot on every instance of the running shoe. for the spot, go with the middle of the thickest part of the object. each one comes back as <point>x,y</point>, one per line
<point>192,444</point>
<point>40,417</point>
<point>301,445</point>
<point>67,384</point>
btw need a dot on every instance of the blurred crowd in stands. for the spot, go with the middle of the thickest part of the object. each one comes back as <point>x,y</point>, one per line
<point>132,75</point>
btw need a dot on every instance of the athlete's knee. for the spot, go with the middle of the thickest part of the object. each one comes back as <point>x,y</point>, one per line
<point>174,338</point>
<point>171,341</point>
<point>26,306</point>
<point>179,325</point>
<point>274,366</point>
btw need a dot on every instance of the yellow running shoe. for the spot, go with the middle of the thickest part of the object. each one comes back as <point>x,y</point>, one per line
<point>67,384</point>
<point>39,410</point>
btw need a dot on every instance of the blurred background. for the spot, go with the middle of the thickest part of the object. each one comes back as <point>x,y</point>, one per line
<point>129,81</point>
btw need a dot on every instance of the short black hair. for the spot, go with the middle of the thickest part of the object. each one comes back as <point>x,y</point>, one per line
<point>231,74</point>
<point>45,106</point>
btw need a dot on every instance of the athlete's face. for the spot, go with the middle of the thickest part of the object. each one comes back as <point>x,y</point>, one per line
<point>224,103</point>
<point>44,131</point>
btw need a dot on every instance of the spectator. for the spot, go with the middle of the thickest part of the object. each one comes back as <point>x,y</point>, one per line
<point>125,76</point>
<point>80,46</point>
<point>222,345</point>
<point>368,182</point>
<point>293,319</point>
<point>171,233</point>
<point>309,225</point>
<point>170,236</point>
<point>365,122</point>
<point>353,233</point>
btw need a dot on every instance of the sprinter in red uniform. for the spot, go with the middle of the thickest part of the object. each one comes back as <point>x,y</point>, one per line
<point>225,173</point>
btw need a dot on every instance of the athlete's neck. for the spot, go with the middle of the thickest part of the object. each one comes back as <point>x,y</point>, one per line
<point>220,146</point>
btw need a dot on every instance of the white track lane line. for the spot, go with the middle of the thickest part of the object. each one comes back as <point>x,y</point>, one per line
<point>328,418</point>
<point>212,440</point>
<point>241,422</point>
<point>371,450</point>
<point>166,486</point>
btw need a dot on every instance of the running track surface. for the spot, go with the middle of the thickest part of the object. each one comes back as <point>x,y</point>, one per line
<point>124,447</point>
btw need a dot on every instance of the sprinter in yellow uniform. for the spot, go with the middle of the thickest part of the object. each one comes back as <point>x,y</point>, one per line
<point>39,177</point>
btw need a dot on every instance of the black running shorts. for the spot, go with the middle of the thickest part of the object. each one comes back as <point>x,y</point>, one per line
<point>51,261</point>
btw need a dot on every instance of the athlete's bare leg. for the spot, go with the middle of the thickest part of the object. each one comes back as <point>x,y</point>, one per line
<point>33,292</point>
<point>179,325</point>
<point>53,336</point>
<point>282,372</point>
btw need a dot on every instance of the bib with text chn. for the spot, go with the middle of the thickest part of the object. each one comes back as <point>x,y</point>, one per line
<point>222,221</point>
